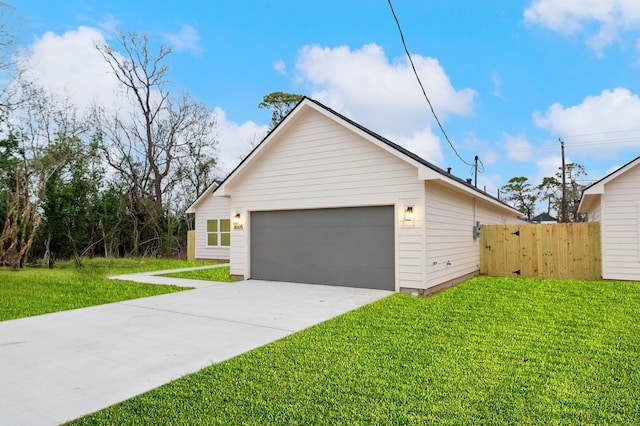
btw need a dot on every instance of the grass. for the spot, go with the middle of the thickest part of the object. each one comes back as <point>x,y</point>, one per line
<point>39,290</point>
<point>489,351</point>
<point>214,274</point>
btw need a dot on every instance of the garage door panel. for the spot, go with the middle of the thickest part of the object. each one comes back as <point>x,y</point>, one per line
<point>350,246</point>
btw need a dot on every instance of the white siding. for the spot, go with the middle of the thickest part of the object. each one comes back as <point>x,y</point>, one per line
<point>319,163</point>
<point>451,251</point>
<point>210,208</point>
<point>620,227</point>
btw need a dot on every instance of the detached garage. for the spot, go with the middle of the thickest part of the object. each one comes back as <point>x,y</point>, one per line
<point>323,200</point>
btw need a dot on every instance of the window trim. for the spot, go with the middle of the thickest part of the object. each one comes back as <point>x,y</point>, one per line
<point>218,232</point>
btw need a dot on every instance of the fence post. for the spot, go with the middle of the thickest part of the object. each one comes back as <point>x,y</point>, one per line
<point>191,245</point>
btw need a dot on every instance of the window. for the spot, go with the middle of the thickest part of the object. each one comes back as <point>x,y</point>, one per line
<point>219,232</point>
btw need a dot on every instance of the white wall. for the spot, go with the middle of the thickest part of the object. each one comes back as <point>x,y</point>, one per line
<point>210,208</point>
<point>620,227</point>
<point>318,163</point>
<point>451,251</point>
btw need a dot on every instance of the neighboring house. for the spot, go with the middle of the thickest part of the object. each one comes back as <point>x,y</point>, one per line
<point>544,218</point>
<point>614,201</point>
<point>212,225</point>
<point>323,200</point>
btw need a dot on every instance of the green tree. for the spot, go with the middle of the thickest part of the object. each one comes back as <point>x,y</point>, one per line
<point>9,161</point>
<point>37,120</point>
<point>68,197</point>
<point>548,191</point>
<point>280,104</point>
<point>112,227</point>
<point>523,196</point>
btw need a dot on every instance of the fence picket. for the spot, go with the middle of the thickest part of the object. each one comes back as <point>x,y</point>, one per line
<point>566,250</point>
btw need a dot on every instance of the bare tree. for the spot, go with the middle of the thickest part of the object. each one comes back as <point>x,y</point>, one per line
<point>8,66</point>
<point>6,38</point>
<point>197,163</point>
<point>22,219</point>
<point>160,142</point>
<point>144,74</point>
<point>573,191</point>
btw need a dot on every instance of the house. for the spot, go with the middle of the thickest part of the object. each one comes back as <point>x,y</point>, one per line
<point>323,200</point>
<point>544,218</point>
<point>614,201</point>
<point>212,225</point>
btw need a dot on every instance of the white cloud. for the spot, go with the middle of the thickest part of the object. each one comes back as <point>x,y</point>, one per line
<point>517,147</point>
<point>70,66</point>
<point>548,166</point>
<point>422,143</point>
<point>496,79</point>
<point>109,25</point>
<point>280,67</point>
<point>601,125</point>
<point>490,157</point>
<point>236,140</point>
<point>609,18</point>
<point>490,184</point>
<point>185,40</point>
<point>384,95</point>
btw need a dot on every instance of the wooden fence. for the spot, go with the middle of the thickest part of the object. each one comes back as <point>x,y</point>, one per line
<point>568,250</point>
<point>191,245</point>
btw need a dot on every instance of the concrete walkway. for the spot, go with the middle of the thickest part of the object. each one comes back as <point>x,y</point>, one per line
<point>61,366</point>
<point>154,277</point>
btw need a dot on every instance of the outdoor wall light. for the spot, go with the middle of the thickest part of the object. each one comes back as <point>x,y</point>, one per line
<point>237,223</point>
<point>408,214</point>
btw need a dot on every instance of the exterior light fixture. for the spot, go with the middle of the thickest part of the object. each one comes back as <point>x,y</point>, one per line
<point>408,214</point>
<point>237,223</point>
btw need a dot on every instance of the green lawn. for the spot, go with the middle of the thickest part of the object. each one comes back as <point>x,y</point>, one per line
<point>39,290</point>
<point>213,274</point>
<point>489,351</point>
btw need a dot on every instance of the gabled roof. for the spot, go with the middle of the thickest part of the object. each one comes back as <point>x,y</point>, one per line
<point>207,192</point>
<point>426,170</point>
<point>544,217</point>
<point>593,191</point>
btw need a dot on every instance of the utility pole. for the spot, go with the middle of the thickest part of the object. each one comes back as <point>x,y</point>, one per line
<point>564,186</point>
<point>475,166</point>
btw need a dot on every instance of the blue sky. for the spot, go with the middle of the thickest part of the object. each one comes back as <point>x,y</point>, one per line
<point>506,78</point>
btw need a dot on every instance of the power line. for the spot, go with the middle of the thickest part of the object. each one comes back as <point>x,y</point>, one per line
<point>553,147</point>
<point>602,133</point>
<point>424,92</point>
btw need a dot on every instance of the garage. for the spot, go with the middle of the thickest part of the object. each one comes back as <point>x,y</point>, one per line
<point>351,247</point>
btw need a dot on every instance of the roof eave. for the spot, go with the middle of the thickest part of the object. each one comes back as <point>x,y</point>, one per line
<point>210,189</point>
<point>598,186</point>
<point>588,201</point>
<point>476,193</point>
<point>222,190</point>
<point>426,170</point>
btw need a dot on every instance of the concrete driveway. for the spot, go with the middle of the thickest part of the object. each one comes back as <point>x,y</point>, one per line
<point>61,366</point>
